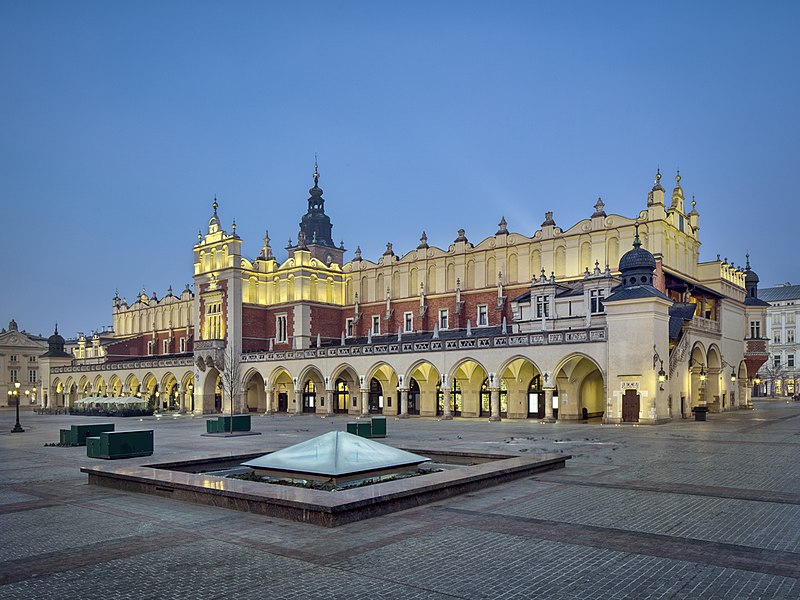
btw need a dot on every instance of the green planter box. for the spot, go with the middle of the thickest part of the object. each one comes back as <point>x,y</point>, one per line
<point>378,427</point>
<point>364,429</point>
<point>240,423</point>
<point>352,427</point>
<point>211,426</point>
<point>126,444</point>
<point>81,432</point>
<point>93,447</point>
<point>65,437</point>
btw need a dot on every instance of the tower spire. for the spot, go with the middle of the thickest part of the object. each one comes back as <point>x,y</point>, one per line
<point>637,243</point>
<point>316,170</point>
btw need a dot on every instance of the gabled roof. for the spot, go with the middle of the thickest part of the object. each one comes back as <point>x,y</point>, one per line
<point>334,454</point>
<point>780,293</point>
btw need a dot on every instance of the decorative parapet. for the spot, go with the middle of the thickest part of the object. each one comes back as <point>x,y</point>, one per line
<point>127,365</point>
<point>209,345</point>
<point>546,338</point>
<point>704,325</point>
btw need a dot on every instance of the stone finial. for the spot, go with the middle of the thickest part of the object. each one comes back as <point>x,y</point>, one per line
<point>657,183</point>
<point>389,251</point>
<point>461,237</point>
<point>423,241</point>
<point>503,229</point>
<point>357,253</point>
<point>548,219</point>
<point>598,208</point>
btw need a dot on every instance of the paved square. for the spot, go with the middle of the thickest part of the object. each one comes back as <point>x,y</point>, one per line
<point>683,510</point>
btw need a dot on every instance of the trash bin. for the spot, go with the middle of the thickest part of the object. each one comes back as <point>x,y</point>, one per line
<point>211,426</point>
<point>352,427</point>
<point>700,413</point>
<point>378,427</point>
<point>364,429</point>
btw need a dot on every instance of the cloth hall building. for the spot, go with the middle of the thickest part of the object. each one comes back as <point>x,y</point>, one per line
<point>613,318</point>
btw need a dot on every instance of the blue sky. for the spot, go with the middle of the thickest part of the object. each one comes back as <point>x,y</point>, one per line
<point>121,121</point>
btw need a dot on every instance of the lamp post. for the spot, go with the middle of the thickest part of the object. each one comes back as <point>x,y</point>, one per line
<point>15,394</point>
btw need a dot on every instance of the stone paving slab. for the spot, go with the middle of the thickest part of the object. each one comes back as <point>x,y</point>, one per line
<point>684,510</point>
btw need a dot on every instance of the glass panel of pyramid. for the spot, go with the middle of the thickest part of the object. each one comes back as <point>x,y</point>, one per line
<point>334,454</point>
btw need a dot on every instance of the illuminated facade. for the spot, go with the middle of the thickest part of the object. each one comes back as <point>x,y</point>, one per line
<point>612,318</point>
<point>780,375</point>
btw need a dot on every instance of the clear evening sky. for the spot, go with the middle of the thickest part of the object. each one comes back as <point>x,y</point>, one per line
<point>119,122</point>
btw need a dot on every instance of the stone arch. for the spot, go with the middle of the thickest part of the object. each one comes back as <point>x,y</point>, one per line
<point>586,256</point>
<point>423,399</point>
<point>714,375</point>
<point>512,266</point>
<point>187,387</point>
<point>254,397</point>
<point>99,386</point>
<point>465,380</point>
<point>430,286</point>
<point>114,386</point>
<point>311,383</point>
<point>148,389</point>
<point>469,275</point>
<point>84,387</point>
<point>282,385</point>
<point>450,277</point>
<point>169,392</point>
<point>524,397</point>
<point>612,255</point>
<point>212,391</point>
<point>560,263</point>
<point>57,393</point>
<point>131,385</point>
<point>581,387</point>
<point>382,383</point>
<point>491,271</point>
<point>380,291</point>
<point>536,263</point>
<point>345,382</point>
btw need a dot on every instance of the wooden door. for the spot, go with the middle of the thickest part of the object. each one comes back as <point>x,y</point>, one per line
<point>630,406</point>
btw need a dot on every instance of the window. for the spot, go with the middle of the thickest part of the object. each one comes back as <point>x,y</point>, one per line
<point>13,358</point>
<point>776,336</point>
<point>183,345</point>
<point>776,361</point>
<point>408,322</point>
<point>596,298</point>
<point>214,321</point>
<point>348,326</point>
<point>165,347</point>
<point>790,361</point>
<point>31,359</point>
<point>31,375</point>
<point>755,330</point>
<point>376,324</point>
<point>790,336</point>
<point>13,376</point>
<point>443,317</point>
<point>150,345</point>
<point>281,333</point>
<point>483,315</point>
<point>542,307</point>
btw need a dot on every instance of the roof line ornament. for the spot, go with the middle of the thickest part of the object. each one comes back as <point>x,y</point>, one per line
<point>316,170</point>
<point>637,243</point>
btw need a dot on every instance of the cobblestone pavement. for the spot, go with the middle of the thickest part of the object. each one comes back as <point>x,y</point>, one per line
<point>683,510</point>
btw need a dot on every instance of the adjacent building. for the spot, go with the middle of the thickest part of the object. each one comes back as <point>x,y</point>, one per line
<point>19,363</point>
<point>780,375</point>
<point>611,318</point>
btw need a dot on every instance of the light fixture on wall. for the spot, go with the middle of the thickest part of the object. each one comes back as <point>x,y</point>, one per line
<point>662,376</point>
<point>702,374</point>
<point>733,376</point>
<point>757,380</point>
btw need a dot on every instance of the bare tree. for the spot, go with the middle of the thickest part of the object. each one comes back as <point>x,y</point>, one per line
<point>231,378</point>
<point>770,373</point>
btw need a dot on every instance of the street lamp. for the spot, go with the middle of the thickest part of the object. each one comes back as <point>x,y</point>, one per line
<point>15,394</point>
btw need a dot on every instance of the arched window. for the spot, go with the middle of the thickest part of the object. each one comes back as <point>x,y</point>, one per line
<point>309,396</point>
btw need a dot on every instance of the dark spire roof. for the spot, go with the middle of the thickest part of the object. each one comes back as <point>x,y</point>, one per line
<point>315,225</point>
<point>55,345</point>
<point>636,271</point>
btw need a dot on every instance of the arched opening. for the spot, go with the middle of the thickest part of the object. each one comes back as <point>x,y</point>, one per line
<point>114,386</point>
<point>254,395</point>
<point>536,398</point>
<point>581,389</point>
<point>309,397</point>
<point>187,386</point>
<point>341,396</point>
<point>456,399</point>
<point>698,375</point>
<point>486,399</point>
<point>516,377</point>
<point>466,381</point>
<point>282,390</point>
<point>414,396</point>
<point>168,398</point>
<point>375,403</point>
<point>424,380</point>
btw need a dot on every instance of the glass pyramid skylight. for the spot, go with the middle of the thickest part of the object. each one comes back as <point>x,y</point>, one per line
<point>335,454</point>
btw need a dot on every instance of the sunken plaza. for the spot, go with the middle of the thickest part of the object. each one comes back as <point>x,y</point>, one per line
<point>685,510</point>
